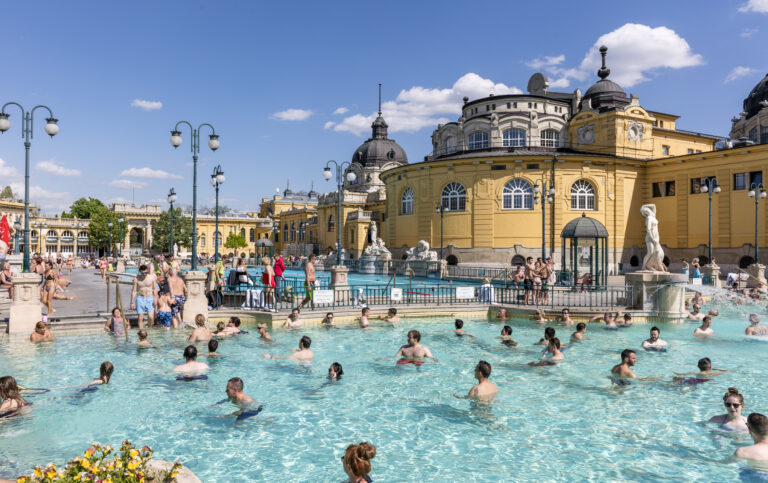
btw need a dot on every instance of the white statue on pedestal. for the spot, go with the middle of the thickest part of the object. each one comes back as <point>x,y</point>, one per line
<point>175,250</point>
<point>654,259</point>
<point>421,252</point>
<point>377,247</point>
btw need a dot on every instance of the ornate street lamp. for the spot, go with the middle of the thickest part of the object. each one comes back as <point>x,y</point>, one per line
<point>441,209</point>
<point>217,178</point>
<point>711,187</point>
<point>213,144</point>
<point>171,199</point>
<point>51,128</point>
<point>757,192</point>
<point>17,229</point>
<point>109,251</point>
<point>327,175</point>
<point>548,187</point>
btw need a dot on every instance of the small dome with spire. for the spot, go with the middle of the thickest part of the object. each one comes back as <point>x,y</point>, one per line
<point>604,94</point>
<point>379,150</point>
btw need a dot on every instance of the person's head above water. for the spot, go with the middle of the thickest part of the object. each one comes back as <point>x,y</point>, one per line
<point>581,327</point>
<point>628,356</point>
<point>549,332</point>
<point>305,342</point>
<point>414,337</point>
<point>705,364</point>
<point>366,311</point>
<point>655,333</point>
<point>706,321</point>
<point>40,327</point>
<point>696,307</point>
<point>200,320</point>
<point>213,344</point>
<point>335,371</point>
<point>392,312</point>
<point>566,311</point>
<point>506,330</point>
<point>235,321</point>
<point>190,353</point>
<point>357,459</point>
<point>142,334</point>
<point>9,389</point>
<point>295,314</point>
<point>458,323</point>
<point>758,425</point>
<point>483,369</point>
<point>733,397</point>
<point>754,319</point>
<point>105,371</point>
<point>220,327</point>
<point>554,342</point>
<point>234,386</point>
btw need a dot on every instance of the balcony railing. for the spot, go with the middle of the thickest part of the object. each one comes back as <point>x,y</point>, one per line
<point>533,147</point>
<point>363,215</point>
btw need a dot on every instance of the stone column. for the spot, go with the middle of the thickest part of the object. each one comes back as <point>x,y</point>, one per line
<point>26,309</point>
<point>196,302</point>
<point>339,283</point>
<point>714,272</point>
<point>756,275</point>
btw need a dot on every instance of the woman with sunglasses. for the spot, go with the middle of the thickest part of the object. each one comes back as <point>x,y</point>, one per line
<point>732,420</point>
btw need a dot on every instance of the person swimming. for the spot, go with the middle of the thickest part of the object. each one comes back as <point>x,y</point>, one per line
<point>414,352</point>
<point>335,372</point>
<point>506,336</point>
<point>756,455</point>
<point>235,395</point>
<point>705,330</point>
<point>191,368</point>
<point>10,394</point>
<point>261,329</point>
<point>732,420</point>
<point>552,355</point>
<point>357,462</point>
<point>622,373</point>
<point>549,333</point>
<point>213,345</point>
<point>654,343</point>
<point>459,329</point>
<point>704,374</point>
<point>754,326</point>
<point>303,354</point>
<point>581,329</point>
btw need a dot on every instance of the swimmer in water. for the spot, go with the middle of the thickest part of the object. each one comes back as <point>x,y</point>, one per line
<point>757,454</point>
<point>623,371</point>
<point>704,374</point>
<point>549,333</point>
<point>357,462</point>
<point>9,393</point>
<point>581,329</point>
<point>502,314</point>
<point>566,317</point>
<point>608,318</point>
<point>696,313</point>
<point>292,321</point>
<point>234,325</point>
<point>364,317</point>
<point>705,330</point>
<point>105,374</point>
<point>263,333</point>
<point>391,316</point>
<point>732,420</point>
<point>41,333</point>
<point>143,341</point>
<point>414,351</point>
<point>540,317</point>
<point>303,354</point>
<point>653,343</point>
<point>191,366</point>
<point>484,390</point>
<point>328,320</point>
<point>335,372</point>
<point>459,330</point>
<point>552,356</point>
<point>235,395</point>
<point>626,321</point>
<point>201,332</point>
<point>697,299</point>
<point>213,345</point>
<point>506,336</point>
<point>755,328</point>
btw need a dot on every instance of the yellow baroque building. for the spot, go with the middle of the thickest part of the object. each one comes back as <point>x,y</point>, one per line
<point>514,170</point>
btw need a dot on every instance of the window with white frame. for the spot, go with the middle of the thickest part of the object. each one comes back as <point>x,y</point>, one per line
<point>406,205</point>
<point>517,195</point>
<point>582,195</point>
<point>550,138</point>
<point>514,137</point>
<point>454,197</point>
<point>478,140</point>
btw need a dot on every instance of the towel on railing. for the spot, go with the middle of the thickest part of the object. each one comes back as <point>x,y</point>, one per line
<point>485,294</point>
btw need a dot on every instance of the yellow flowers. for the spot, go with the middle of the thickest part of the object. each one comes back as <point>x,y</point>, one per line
<point>38,472</point>
<point>133,464</point>
<point>134,453</point>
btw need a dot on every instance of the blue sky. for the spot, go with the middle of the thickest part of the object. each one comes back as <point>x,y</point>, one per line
<point>290,85</point>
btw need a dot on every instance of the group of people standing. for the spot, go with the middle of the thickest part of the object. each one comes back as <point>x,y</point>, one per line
<point>159,294</point>
<point>536,279</point>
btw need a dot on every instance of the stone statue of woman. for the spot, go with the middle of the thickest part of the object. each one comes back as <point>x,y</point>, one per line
<point>654,259</point>
<point>374,233</point>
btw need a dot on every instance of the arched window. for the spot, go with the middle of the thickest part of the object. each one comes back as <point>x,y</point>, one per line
<point>582,195</point>
<point>550,138</point>
<point>293,231</point>
<point>252,234</point>
<point>202,240</point>
<point>478,140</point>
<point>331,223</point>
<point>406,205</point>
<point>517,195</point>
<point>454,197</point>
<point>242,232</point>
<point>514,137</point>
<point>449,146</point>
<point>51,237</point>
<point>452,260</point>
<point>518,261</point>
<point>83,234</point>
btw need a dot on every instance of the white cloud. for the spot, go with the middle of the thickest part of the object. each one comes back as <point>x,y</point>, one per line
<point>292,115</point>
<point>7,171</point>
<point>127,184</point>
<point>748,32</point>
<point>329,125</point>
<point>49,201</point>
<point>341,110</point>
<point>759,6</point>
<point>635,51</point>
<point>149,173</point>
<point>57,169</point>
<point>738,72</point>
<point>420,107</point>
<point>147,105</point>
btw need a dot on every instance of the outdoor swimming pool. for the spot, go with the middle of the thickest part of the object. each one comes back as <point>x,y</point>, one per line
<point>548,423</point>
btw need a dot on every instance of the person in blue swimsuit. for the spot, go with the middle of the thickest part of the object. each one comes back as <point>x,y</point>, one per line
<point>357,462</point>
<point>235,395</point>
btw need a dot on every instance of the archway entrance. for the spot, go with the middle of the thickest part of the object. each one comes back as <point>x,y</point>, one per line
<point>136,243</point>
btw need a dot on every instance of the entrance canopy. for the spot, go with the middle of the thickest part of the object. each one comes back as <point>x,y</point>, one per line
<point>586,242</point>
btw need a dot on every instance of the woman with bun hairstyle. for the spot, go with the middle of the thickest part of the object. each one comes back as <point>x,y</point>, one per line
<point>732,420</point>
<point>357,462</point>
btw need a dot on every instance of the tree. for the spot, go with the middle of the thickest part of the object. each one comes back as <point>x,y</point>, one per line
<point>6,194</point>
<point>84,208</point>
<point>99,229</point>
<point>235,241</point>
<point>182,231</point>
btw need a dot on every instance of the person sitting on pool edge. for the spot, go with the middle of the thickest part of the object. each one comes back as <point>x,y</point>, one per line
<point>40,334</point>
<point>357,462</point>
<point>484,389</point>
<point>653,343</point>
<point>364,317</point>
<point>756,454</point>
<point>705,373</point>
<point>581,329</point>
<point>623,371</point>
<point>9,393</point>
<point>292,321</point>
<point>754,326</point>
<point>303,354</point>
<point>506,336</point>
<point>191,366</point>
<point>335,371</point>
<point>459,330</point>
<point>732,420</point>
<point>201,332</point>
<point>552,355</point>
<point>705,330</point>
<point>391,316</point>
<point>414,352</point>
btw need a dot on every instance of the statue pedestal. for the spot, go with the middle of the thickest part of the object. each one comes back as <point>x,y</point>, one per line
<point>339,284</point>
<point>196,302</point>
<point>756,275</point>
<point>366,264</point>
<point>713,271</point>
<point>659,292</point>
<point>26,309</point>
<point>426,268</point>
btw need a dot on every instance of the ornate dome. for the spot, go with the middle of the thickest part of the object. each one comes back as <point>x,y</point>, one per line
<point>604,94</point>
<point>756,98</point>
<point>584,227</point>
<point>378,150</point>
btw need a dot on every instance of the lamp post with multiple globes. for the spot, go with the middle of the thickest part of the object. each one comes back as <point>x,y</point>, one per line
<point>351,177</point>
<point>217,178</point>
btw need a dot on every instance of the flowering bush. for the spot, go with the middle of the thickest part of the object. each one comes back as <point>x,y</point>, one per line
<point>101,464</point>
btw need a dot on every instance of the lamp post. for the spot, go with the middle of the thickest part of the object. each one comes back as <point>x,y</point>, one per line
<point>757,192</point>
<point>17,229</point>
<point>303,234</point>
<point>27,132</point>
<point>441,209</point>
<point>109,251</point>
<point>213,143</point>
<point>171,199</point>
<point>711,187</point>
<point>76,226</point>
<point>339,196</point>
<point>547,186</point>
<point>217,178</point>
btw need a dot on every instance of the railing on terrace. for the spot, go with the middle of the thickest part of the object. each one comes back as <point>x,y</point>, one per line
<point>455,151</point>
<point>326,298</point>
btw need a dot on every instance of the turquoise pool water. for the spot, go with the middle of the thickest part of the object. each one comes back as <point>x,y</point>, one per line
<point>548,423</point>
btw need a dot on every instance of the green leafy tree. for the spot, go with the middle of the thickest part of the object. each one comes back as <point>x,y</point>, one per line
<point>99,229</point>
<point>6,194</point>
<point>84,208</point>
<point>235,241</point>
<point>182,231</point>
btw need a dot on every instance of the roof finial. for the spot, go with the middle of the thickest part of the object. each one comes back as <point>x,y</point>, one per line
<point>604,71</point>
<point>379,98</point>
<point>288,184</point>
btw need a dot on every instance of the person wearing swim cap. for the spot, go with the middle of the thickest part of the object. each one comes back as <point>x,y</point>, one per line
<point>484,389</point>
<point>756,455</point>
<point>755,328</point>
<point>414,352</point>
<point>191,366</point>
<point>303,354</point>
<point>654,343</point>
